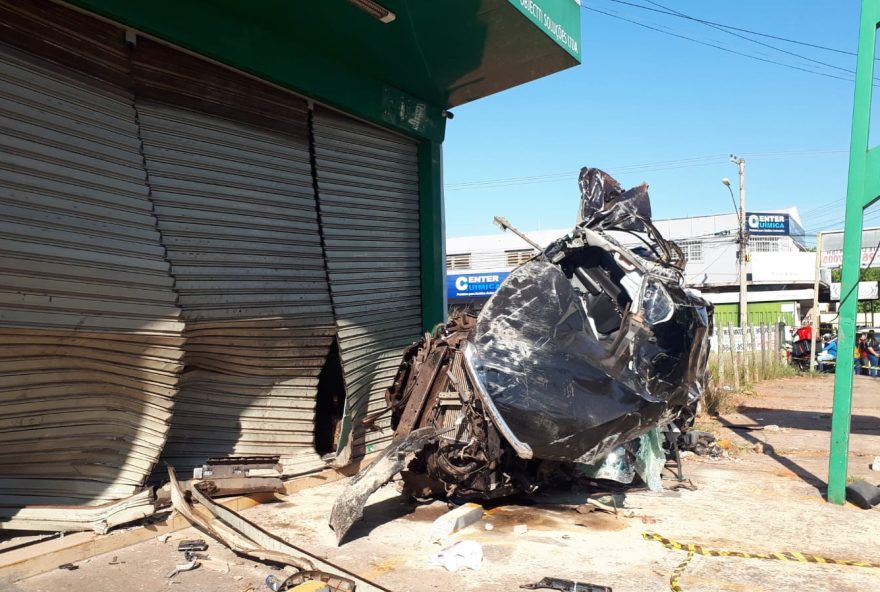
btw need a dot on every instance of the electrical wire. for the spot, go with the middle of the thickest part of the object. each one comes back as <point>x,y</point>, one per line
<point>719,47</point>
<point>707,267</point>
<point>659,165</point>
<point>750,40</point>
<point>732,28</point>
<point>697,161</point>
<point>835,224</point>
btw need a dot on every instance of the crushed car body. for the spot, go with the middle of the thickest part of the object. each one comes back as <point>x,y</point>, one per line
<point>586,347</point>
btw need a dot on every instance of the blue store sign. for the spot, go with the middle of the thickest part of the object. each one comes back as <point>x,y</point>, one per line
<point>467,285</point>
<point>758,223</point>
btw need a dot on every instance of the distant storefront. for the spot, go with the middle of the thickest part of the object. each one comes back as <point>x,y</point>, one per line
<point>472,290</point>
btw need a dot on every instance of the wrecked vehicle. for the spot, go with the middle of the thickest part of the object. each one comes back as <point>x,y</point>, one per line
<point>584,348</point>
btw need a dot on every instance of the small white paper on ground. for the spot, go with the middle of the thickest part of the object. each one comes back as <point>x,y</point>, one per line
<point>463,554</point>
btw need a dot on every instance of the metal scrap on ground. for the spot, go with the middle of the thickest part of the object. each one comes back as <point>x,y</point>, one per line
<point>247,539</point>
<point>564,586</point>
<point>99,519</point>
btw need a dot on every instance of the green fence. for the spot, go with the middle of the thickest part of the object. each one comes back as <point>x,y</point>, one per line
<point>760,313</point>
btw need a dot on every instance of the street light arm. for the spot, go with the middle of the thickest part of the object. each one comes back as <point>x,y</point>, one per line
<point>733,199</point>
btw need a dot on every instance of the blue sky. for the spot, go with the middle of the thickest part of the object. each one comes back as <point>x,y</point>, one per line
<point>642,98</point>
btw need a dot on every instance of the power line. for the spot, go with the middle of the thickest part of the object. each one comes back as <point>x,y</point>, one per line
<point>837,224</point>
<point>664,165</point>
<point>571,175</point>
<point>707,44</point>
<point>732,28</point>
<point>723,29</point>
<point>660,165</point>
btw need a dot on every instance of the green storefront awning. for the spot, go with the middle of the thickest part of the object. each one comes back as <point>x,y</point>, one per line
<point>432,56</point>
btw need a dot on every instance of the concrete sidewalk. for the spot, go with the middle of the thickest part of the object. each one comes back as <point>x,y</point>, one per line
<point>756,502</point>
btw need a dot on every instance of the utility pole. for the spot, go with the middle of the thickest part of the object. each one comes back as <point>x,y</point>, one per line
<point>743,243</point>
<point>815,319</point>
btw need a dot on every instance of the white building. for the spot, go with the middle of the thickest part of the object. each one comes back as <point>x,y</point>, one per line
<point>780,271</point>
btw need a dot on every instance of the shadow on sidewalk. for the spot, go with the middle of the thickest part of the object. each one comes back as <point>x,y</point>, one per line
<point>805,475</point>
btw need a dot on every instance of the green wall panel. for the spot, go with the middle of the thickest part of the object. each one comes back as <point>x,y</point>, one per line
<point>759,312</point>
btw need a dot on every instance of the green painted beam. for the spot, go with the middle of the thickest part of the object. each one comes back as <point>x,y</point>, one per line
<point>432,231</point>
<point>862,190</point>
<point>872,176</point>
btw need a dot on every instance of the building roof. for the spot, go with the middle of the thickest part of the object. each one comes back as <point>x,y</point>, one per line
<point>670,228</point>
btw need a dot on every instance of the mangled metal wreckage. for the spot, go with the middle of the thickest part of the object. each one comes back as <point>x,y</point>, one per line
<point>582,350</point>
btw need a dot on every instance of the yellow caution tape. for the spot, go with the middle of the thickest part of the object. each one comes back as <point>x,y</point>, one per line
<point>693,549</point>
<point>676,573</point>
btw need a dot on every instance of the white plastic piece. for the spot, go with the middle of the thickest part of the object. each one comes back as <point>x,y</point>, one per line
<point>463,554</point>
<point>183,567</point>
<point>455,520</point>
<point>520,529</point>
<point>875,466</point>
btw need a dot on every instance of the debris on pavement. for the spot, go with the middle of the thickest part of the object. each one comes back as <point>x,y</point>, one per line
<point>593,504</point>
<point>99,519</point>
<point>587,347</point>
<point>349,506</point>
<point>247,539</point>
<point>327,581</point>
<point>455,520</point>
<point>875,466</point>
<point>240,535</point>
<point>68,566</point>
<point>192,545</point>
<point>239,475</point>
<point>565,586</point>
<point>463,554</point>
<point>311,586</point>
<point>703,444</point>
<point>183,567</point>
<point>863,494</point>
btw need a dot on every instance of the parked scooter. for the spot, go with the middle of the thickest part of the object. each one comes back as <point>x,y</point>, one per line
<point>799,354</point>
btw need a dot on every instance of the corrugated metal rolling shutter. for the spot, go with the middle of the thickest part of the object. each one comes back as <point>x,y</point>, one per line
<point>369,203</point>
<point>236,208</point>
<point>90,339</point>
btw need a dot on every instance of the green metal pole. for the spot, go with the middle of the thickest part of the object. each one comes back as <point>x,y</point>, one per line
<point>431,226</point>
<point>861,190</point>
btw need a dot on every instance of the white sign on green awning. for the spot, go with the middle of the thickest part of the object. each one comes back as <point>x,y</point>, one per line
<point>559,19</point>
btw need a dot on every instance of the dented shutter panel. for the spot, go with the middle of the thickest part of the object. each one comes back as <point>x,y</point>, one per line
<point>367,182</point>
<point>237,212</point>
<point>90,336</point>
